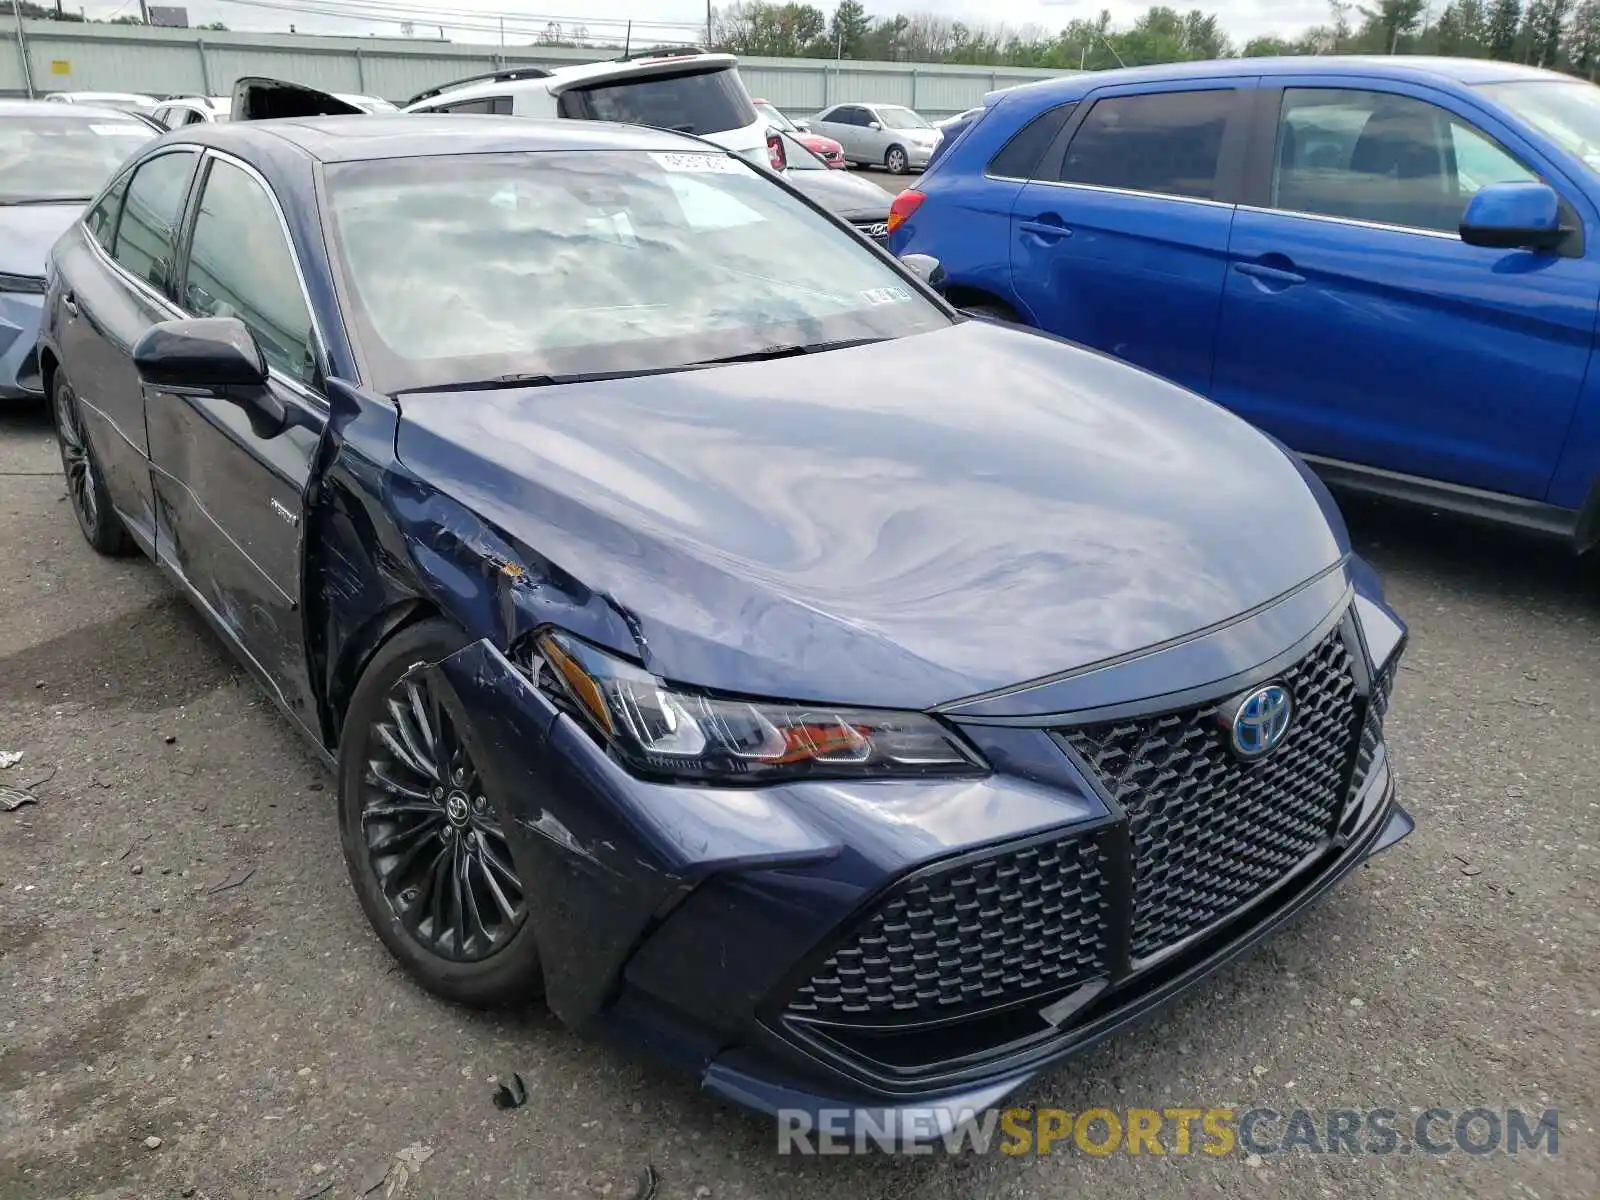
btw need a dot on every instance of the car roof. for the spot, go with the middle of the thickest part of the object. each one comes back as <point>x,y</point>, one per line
<point>422,135</point>
<point>558,79</point>
<point>1418,67</point>
<point>81,112</point>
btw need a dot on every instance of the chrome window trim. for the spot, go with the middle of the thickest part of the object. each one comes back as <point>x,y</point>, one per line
<point>1356,222</point>
<point>1116,191</point>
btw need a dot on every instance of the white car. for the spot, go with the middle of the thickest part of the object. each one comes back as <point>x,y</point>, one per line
<point>688,92</point>
<point>879,135</point>
<point>191,110</point>
<point>134,102</point>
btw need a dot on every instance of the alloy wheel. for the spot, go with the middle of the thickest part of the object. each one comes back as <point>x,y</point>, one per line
<point>897,161</point>
<point>433,839</point>
<point>75,460</point>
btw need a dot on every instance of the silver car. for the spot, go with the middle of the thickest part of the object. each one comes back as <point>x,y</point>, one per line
<point>886,135</point>
<point>54,158</point>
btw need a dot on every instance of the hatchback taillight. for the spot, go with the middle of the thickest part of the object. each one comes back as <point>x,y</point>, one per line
<point>906,203</point>
<point>775,153</point>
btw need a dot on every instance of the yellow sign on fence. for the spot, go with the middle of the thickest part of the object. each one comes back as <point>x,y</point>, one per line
<point>60,66</point>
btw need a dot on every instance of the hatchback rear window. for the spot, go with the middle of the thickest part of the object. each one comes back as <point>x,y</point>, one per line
<point>699,102</point>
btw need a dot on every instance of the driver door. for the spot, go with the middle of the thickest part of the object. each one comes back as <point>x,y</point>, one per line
<point>230,501</point>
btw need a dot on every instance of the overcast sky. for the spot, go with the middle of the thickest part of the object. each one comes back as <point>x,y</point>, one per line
<point>1242,19</point>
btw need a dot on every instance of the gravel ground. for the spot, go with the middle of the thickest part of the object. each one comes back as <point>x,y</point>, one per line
<point>260,1032</point>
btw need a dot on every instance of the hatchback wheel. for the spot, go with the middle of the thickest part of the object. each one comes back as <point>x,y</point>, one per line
<point>86,486</point>
<point>424,837</point>
<point>895,160</point>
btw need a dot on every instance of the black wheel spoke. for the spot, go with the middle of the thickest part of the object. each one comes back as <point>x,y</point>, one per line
<point>436,844</point>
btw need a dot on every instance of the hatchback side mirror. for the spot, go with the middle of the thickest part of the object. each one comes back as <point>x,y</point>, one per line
<point>216,357</point>
<point>1513,216</point>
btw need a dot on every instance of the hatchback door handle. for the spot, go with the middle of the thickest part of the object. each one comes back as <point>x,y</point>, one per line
<point>1045,229</point>
<point>1269,275</point>
<point>70,303</point>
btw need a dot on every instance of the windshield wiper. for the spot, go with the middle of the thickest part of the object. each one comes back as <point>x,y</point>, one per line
<point>499,382</point>
<point>26,200</point>
<point>788,351</point>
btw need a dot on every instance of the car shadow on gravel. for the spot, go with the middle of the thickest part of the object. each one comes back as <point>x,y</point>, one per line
<point>1472,557</point>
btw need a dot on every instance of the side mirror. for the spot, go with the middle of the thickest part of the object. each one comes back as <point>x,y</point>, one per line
<point>803,125</point>
<point>1513,216</point>
<point>214,357</point>
<point>926,268</point>
<point>874,125</point>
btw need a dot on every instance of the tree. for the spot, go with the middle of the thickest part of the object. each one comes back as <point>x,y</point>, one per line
<point>1583,39</point>
<point>847,32</point>
<point>1462,30</point>
<point>1504,19</point>
<point>1393,19</point>
<point>1541,31</point>
<point>770,30</point>
<point>1269,47</point>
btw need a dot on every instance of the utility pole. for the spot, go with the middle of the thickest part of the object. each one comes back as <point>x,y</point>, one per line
<point>144,12</point>
<point>710,41</point>
<point>22,49</point>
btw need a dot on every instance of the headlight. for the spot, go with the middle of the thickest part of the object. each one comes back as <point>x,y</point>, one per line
<point>32,285</point>
<point>657,729</point>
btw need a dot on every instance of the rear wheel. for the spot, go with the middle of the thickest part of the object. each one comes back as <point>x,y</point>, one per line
<point>425,839</point>
<point>895,160</point>
<point>86,486</point>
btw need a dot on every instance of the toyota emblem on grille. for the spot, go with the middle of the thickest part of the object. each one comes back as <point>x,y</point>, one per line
<point>1257,722</point>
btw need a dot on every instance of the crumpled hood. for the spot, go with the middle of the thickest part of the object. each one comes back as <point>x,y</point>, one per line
<point>27,231</point>
<point>898,524</point>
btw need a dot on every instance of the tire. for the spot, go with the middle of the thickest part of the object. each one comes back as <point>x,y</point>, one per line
<point>86,484</point>
<point>401,826</point>
<point>895,161</point>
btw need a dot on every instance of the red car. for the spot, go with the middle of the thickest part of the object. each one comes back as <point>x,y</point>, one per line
<point>825,148</point>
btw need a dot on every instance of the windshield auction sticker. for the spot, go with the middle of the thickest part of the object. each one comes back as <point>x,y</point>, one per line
<point>696,164</point>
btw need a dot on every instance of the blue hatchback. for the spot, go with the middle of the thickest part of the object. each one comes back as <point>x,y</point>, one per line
<point>1392,264</point>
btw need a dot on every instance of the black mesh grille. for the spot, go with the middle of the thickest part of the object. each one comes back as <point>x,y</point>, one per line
<point>1210,832</point>
<point>1023,921</point>
<point>1372,731</point>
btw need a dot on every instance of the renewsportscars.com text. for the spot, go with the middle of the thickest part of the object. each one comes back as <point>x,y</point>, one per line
<point>1171,1131</point>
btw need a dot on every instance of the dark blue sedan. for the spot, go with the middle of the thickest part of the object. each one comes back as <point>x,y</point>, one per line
<point>864,732</point>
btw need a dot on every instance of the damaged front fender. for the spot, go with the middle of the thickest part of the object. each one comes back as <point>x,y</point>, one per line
<point>603,855</point>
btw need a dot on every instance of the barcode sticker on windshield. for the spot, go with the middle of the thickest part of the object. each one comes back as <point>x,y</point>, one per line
<point>886,295</point>
<point>701,164</point>
<point>123,129</point>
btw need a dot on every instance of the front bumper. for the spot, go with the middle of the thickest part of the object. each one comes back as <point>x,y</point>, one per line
<point>918,156</point>
<point>20,315</point>
<point>767,939</point>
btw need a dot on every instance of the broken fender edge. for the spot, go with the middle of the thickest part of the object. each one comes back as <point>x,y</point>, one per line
<point>602,853</point>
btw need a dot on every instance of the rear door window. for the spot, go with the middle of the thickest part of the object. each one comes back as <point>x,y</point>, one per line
<point>484,104</point>
<point>1019,156</point>
<point>1168,143</point>
<point>700,102</point>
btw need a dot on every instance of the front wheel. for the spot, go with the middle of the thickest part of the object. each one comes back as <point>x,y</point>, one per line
<point>895,160</point>
<point>425,839</point>
<point>86,486</point>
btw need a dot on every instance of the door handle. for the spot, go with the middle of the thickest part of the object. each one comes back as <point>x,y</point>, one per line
<point>70,303</point>
<point>1044,229</point>
<point>1269,275</point>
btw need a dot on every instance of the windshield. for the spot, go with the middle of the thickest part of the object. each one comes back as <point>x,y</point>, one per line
<point>568,263</point>
<point>775,117</point>
<point>701,102</point>
<point>1568,112</point>
<point>63,156</point>
<point>895,117</point>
